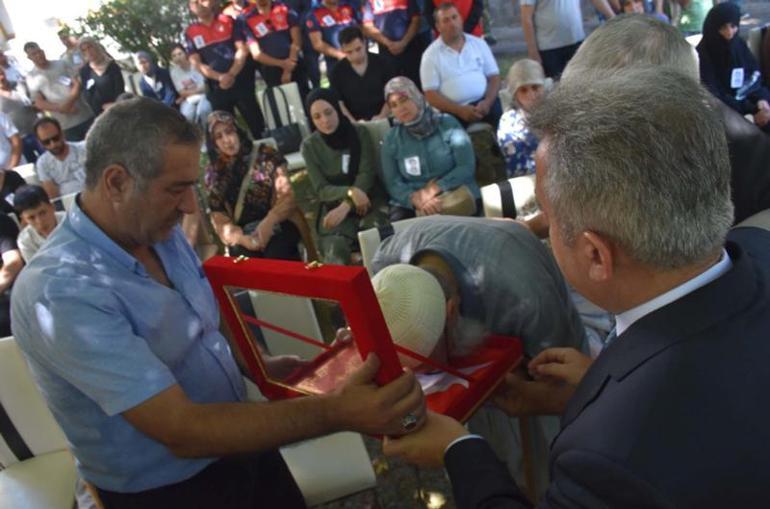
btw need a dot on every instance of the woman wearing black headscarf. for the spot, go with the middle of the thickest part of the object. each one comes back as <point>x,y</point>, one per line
<point>342,167</point>
<point>727,67</point>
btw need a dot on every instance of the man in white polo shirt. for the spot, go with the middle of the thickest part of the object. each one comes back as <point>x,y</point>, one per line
<point>458,72</point>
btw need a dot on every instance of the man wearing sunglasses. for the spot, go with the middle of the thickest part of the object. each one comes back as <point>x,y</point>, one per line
<point>61,169</point>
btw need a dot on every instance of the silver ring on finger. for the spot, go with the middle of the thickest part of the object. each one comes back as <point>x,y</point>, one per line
<point>409,422</point>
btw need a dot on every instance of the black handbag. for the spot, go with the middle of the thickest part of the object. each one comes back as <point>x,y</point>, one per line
<point>287,136</point>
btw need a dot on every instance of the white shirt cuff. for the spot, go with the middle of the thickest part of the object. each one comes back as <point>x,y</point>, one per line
<point>458,440</point>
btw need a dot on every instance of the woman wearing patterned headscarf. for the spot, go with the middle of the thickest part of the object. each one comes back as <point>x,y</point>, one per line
<point>156,81</point>
<point>342,167</point>
<point>426,155</point>
<point>100,77</point>
<point>727,67</point>
<point>252,205</point>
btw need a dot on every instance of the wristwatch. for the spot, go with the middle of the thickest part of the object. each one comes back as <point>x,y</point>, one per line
<point>350,193</point>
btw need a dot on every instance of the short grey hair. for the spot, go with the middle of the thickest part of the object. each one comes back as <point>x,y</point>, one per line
<point>631,40</point>
<point>639,157</point>
<point>134,134</point>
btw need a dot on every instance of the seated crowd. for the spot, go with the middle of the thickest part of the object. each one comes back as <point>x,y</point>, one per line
<point>392,139</point>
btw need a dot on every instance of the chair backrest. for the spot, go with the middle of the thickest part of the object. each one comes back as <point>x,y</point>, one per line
<point>67,200</point>
<point>754,41</point>
<point>377,130</point>
<point>490,164</point>
<point>759,44</point>
<point>510,198</point>
<point>27,172</point>
<point>370,239</point>
<point>506,99</point>
<point>27,427</point>
<point>296,109</point>
<point>330,467</point>
<point>295,161</point>
<point>759,220</point>
<point>268,141</point>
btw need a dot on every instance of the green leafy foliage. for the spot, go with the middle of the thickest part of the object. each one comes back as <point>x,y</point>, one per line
<point>150,25</point>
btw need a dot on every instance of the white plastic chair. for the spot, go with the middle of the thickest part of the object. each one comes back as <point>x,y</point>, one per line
<point>67,200</point>
<point>377,130</point>
<point>759,220</point>
<point>27,172</point>
<point>370,239</point>
<point>330,467</point>
<point>516,194</point>
<point>505,98</point>
<point>296,114</point>
<point>754,40</point>
<point>39,470</point>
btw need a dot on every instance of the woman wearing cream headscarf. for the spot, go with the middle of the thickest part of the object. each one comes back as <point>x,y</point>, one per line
<point>426,155</point>
<point>526,84</point>
<point>100,77</point>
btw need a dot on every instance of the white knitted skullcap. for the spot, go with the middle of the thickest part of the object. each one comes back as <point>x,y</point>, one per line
<point>414,308</point>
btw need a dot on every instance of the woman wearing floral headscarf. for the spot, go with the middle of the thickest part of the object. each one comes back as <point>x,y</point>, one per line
<point>100,77</point>
<point>426,155</point>
<point>342,167</point>
<point>249,194</point>
<point>156,81</point>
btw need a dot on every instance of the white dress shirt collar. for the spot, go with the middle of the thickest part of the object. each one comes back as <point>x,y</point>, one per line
<point>625,319</point>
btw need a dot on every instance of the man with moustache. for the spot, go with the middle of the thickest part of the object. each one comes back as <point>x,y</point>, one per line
<point>667,415</point>
<point>121,331</point>
<point>459,74</point>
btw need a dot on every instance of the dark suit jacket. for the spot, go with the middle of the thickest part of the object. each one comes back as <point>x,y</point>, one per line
<point>674,414</point>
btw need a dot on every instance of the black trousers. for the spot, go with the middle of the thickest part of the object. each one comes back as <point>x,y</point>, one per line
<point>241,95</point>
<point>5,313</point>
<point>272,76</point>
<point>282,245</point>
<point>555,60</point>
<point>493,116</point>
<point>257,481</point>
<point>408,62</point>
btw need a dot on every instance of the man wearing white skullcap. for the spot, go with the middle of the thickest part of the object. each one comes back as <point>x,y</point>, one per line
<point>414,307</point>
<point>497,278</point>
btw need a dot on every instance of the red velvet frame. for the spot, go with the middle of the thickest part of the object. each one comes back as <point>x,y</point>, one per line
<point>350,286</point>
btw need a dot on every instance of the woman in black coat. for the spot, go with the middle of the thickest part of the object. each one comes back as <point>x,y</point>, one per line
<point>727,67</point>
<point>101,77</point>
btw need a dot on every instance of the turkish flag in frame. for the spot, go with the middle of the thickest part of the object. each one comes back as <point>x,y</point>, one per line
<point>464,385</point>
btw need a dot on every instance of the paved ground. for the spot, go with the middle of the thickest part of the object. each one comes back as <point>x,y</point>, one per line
<point>401,486</point>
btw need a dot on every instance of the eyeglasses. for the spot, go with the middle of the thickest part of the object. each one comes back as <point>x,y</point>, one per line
<point>52,139</point>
